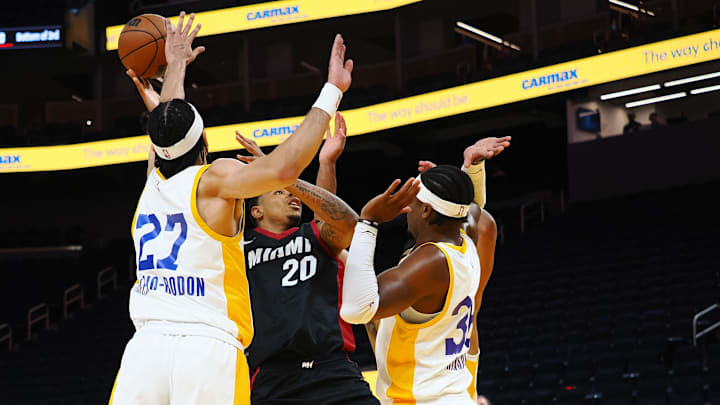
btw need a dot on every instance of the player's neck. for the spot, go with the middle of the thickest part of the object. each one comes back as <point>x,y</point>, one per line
<point>274,226</point>
<point>437,233</point>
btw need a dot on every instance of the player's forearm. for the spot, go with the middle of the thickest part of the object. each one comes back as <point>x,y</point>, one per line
<point>296,152</point>
<point>327,176</point>
<point>174,82</point>
<point>326,205</point>
<point>360,296</point>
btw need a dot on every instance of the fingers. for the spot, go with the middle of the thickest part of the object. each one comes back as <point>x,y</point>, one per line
<point>406,193</point>
<point>180,21</point>
<point>186,29</point>
<point>195,52</point>
<point>340,125</point>
<point>245,141</point>
<point>194,32</point>
<point>337,52</point>
<point>169,27</point>
<point>392,187</point>
<point>349,65</point>
<point>246,159</point>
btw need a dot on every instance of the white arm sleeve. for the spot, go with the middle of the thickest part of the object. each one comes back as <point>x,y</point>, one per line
<point>360,299</point>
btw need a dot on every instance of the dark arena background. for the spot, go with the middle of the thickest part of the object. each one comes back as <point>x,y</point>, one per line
<point>606,287</point>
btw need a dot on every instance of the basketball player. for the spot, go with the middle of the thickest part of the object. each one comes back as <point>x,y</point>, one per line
<point>191,305</point>
<point>427,303</point>
<point>299,354</point>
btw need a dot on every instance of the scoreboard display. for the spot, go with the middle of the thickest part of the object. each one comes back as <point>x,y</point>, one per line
<point>49,36</point>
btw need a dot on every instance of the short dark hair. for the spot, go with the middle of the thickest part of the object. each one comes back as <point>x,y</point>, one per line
<point>168,124</point>
<point>451,184</point>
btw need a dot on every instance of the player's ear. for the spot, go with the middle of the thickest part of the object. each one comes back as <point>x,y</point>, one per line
<point>256,212</point>
<point>426,211</point>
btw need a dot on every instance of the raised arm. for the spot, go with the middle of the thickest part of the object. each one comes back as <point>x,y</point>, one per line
<point>329,155</point>
<point>230,179</point>
<point>178,53</point>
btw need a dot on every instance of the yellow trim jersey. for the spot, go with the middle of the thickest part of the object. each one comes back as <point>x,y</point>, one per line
<point>425,363</point>
<point>187,273</point>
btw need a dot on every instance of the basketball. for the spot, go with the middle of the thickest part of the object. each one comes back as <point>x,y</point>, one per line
<point>141,46</point>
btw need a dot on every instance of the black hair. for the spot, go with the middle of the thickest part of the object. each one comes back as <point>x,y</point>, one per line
<point>249,219</point>
<point>168,124</point>
<point>451,184</point>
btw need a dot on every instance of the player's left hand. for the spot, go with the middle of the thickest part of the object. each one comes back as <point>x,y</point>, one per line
<point>485,149</point>
<point>334,143</point>
<point>391,203</point>
<point>251,147</point>
<point>149,96</point>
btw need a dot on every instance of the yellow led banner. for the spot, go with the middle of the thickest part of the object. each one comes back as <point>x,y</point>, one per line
<point>457,100</point>
<point>271,14</point>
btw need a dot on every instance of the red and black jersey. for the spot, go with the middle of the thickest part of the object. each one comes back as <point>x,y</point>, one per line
<point>295,291</point>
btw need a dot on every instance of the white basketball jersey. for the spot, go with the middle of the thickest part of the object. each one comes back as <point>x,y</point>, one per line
<point>186,272</point>
<point>425,363</point>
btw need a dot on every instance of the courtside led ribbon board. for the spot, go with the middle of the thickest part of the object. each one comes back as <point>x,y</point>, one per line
<point>271,14</point>
<point>443,103</point>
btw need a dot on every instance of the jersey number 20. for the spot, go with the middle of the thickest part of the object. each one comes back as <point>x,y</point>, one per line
<point>307,266</point>
<point>169,262</point>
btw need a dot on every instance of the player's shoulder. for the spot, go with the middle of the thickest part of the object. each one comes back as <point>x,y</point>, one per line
<point>428,256</point>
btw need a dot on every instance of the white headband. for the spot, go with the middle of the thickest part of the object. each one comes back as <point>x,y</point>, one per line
<point>447,208</point>
<point>184,145</point>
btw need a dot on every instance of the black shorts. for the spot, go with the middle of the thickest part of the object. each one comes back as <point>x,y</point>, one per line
<point>335,380</point>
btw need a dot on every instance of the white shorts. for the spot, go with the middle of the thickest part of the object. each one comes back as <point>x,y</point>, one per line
<point>170,368</point>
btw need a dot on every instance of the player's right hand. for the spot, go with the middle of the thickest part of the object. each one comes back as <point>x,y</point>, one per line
<point>334,143</point>
<point>340,70</point>
<point>178,43</point>
<point>485,149</point>
<point>391,203</point>
<point>149,96</point>
<point>251,146</point>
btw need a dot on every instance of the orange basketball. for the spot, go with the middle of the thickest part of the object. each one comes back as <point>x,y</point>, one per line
<point>141,46</point>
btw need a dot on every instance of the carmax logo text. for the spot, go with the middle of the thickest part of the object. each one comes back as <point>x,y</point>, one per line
<point>276,131</point>
<point>274,12</point>
<point>550,79</point>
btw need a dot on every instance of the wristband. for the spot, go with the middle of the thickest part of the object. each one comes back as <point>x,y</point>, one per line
<point>369,222</point>
<point>477,175</point>
<point>329,99</point>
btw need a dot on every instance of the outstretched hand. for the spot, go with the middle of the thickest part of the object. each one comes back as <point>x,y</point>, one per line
<point>339,69</point>
<point>484,149</point>
<point>391,203</point>
<point>178,43</point>
<point>149,96</point>
<point>251,146</point>
<point>334,142</point>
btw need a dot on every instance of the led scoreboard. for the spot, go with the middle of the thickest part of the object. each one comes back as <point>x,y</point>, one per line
<point>49,36</point>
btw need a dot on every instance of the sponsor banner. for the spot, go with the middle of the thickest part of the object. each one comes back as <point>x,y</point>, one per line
<point>271,14</point>
<point>443,103</point>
